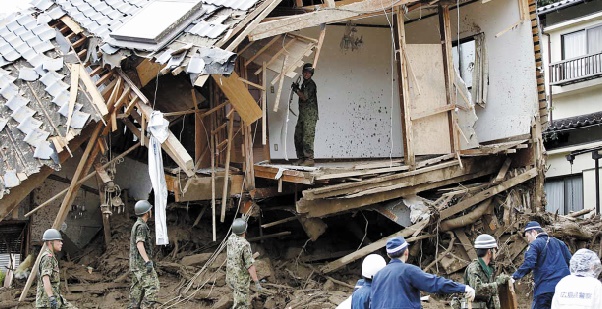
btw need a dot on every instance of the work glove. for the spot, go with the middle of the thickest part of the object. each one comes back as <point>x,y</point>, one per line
<point>469,293</point>
<point>53,303</point>
<point>502,279</point>
<point>512,280</point>
<point>295,86</point>
<point>258,286</point>
<point>149,266</point>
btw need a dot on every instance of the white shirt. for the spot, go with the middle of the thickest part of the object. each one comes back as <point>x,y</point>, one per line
<point>573,292</point>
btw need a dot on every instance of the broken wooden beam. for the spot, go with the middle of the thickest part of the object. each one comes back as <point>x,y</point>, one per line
<point>239,97</point>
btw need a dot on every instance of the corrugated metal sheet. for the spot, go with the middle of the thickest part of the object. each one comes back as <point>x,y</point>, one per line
<point>233,4</point>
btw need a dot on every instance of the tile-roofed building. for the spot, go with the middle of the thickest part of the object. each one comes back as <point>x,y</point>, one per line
<point>36,117</point>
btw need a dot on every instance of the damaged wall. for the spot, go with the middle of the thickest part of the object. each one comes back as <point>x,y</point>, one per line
<point>354,97</point>
<point>512,83</point>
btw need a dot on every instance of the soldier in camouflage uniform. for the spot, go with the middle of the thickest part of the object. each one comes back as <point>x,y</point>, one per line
<point>145,283</point>
<point>480,274</point>
<point>48,294</point>
<point>239,266</point>
<point>305,130</point>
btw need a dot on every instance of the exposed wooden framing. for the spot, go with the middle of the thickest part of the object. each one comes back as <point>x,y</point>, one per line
<point>212,151</point>
<point>297,22</point>
<point>319,46</point>
<point>280,84</point>
<point>104,78</point>
<point>492,149</point>
<point>239,96</point>
<point>435,111</point>
<point>466,243</point>
<point>379,244</point>
<point>363,172</point>
<point>277,54</point>
<point>106,224</point>
<point>502,174</point>
<point>73,92</point>
<point>249,163</point>
<point>148,70</point>
<point>485,194</point>
<point>448,70</point>
<point>84,164</point>
<point>198,129</point>
<point>264,106</point>
<point>404,93</point>
<point>97,99</point>
<point>227,168</point>
<point>414,184</point>
<point>252,25</point>
<point>287,176</point>
<point>75,28</point>
<point>263,49</point>
<point>260,87</point>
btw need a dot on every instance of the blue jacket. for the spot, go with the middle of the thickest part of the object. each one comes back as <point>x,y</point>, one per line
<point>549,259</point>
<point>358,284</point>
<point>360,299</point>
<point>398,286</point>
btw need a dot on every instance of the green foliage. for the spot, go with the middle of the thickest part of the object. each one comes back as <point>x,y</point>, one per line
<point>541,3</point>
<point>2,276</point>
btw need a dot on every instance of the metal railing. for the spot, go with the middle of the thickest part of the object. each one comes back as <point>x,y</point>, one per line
<point>576,69</point>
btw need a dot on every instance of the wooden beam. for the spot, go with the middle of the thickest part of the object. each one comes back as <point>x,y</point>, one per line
<point>280,85</point>
<point>319,46</point>
<point>97,99</point>
<point>406,233</point>
<point>260,87</point>
<point>466,243</point>
<point>485,194</point>
<point>448,70</point>
<point>239,96</point>
<point>301,21</point>
<point>74,68</point>
<point>227,168</point>
<point>404,93</point>
<point>502,174</point>
<point>277,54</point>
<point>252,25</point>
<point>260,51</point>
<point>264,106</point>
<point>435,111</point>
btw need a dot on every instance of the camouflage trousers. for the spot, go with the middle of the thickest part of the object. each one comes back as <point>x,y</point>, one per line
<point>305,133</point>
<point>144,289</point>
<point>63,304</point>
<point>241,296</point>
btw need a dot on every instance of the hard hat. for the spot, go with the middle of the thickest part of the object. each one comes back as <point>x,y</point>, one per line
<point>239,226</point>
<point>308,67</point>
<point>142,207</point>
<point>52,234</point>
<point>485,241</point>
<point>372,264</point>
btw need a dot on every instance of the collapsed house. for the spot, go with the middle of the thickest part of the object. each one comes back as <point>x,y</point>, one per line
<point>431,116</point>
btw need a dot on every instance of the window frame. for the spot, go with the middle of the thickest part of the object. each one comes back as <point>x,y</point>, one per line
<point>585,30</point>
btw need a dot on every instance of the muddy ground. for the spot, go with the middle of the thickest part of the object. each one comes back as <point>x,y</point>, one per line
<point>192,275</point>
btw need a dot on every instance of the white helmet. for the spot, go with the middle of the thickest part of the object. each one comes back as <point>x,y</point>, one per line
<point>485,241</point>
<point>372,264</point>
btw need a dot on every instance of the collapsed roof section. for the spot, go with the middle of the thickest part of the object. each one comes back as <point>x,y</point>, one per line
<point>46,98</point>
<point>187,37</point>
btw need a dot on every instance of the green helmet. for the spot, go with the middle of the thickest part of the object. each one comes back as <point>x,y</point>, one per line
<point>142,207</point>
<point>239,226</point>
<point>52,234</point>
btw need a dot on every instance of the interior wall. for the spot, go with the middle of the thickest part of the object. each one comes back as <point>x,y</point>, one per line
<point>512,83</point>
<point>357,98</point>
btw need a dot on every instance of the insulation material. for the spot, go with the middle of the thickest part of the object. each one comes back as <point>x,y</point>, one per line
<point>466,115</point>
<point>480,73</point>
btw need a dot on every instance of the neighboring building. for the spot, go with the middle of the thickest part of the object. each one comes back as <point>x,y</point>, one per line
<point>572,53</point>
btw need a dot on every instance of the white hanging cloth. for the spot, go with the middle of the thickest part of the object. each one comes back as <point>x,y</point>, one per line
<point>159,129</point>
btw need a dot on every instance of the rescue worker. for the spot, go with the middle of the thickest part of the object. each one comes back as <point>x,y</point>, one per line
<point>581,289</point>
<point>398,285</point>
<point>305,130</point>
<point>145,283</point>
<point>360,299</point>
<point>480,274</point>
<point>48,294</point>
<point>239,265</point>
<point>549,259</point>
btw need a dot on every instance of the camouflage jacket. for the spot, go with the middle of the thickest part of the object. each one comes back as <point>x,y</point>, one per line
<point>239,259</point>
<point>310,91</point>
<point>140,232</point>
<point>49,266</point>
<point>485,287</point>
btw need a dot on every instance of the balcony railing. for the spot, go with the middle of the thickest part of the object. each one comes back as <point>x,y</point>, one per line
<point>576,69</point>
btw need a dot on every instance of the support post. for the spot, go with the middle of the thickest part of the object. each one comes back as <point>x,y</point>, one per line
<point>404,91</point>
<point>448,70</point>
<point>596,156</point>
<point>227,167</point>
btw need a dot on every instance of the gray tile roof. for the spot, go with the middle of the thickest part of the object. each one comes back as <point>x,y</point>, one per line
<point>557,6</point>
<point>34,95</point>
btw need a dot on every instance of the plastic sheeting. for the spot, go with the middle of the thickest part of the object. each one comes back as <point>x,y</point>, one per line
<point>585,263</point>
<point>159,129</point>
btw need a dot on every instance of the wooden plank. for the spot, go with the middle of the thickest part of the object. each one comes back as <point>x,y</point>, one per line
<point>148,70</point>
<point>379,244</point>
<point>301,21</point>
<point>239,96</point>
<point>252,25</point>
<point>74,68</point>
<point>97,98</point>
<point>102,175</point>
<point>502,174</point>
<point>75,28</point>
<point>260,87</point>
<point>438,110</point>
<point>448,70</point>
<point>280,84</point>
<point>264,106</point>
<point>227,168</point>
<point>485,194</point>
<point>414,185</point>
<point>404,93</point>
<point>263,49</point>
<point>357,173</point>
<point>288,44</point>
<point>319,46</point>
<point>466,243</point>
